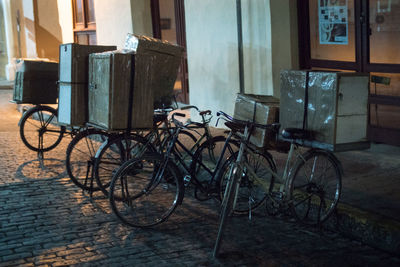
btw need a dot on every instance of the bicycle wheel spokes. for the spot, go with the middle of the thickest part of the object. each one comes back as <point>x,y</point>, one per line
<point>80,157</point>
<point>256,183</point>
<point>113,154</point>
<point>315,188</point>
<point>39,130</point>
<point>139,198</point>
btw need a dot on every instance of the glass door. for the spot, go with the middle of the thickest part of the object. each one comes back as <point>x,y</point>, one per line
<point>382,41</point>
<point>362,36</point>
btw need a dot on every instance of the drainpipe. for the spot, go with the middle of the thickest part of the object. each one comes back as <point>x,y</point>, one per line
<point>10,67</point>
<point>240,44</point>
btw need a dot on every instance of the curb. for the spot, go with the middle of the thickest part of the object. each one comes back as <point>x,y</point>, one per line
<point>375,230</point>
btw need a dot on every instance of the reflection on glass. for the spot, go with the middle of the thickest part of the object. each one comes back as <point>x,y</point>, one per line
<point>92,38</point>
<point>90,10</point>
<point>385,116</point>
<point>79,11</point>
<point>384,20</point>
<point>329,18</point>
<point>382,88</point>
<point>82,39</point>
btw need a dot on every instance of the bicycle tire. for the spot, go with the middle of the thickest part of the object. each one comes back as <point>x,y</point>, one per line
<point>140,197</point>
<point>80,157</point>
<point>43,121</point>
<point>113,153</point>
<point>311,188</point>
<point>252,191</point>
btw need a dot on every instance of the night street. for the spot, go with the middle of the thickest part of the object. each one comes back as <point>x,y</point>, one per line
<point>46,220</point>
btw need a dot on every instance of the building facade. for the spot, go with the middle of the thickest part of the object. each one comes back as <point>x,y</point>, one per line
<point>231,46</point>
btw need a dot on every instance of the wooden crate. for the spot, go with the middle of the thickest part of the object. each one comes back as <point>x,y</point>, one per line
<point>74,77</point>
<point>337,108</point>
<point>109,87</point>
<point>36,82</point>
<point>167,59</point>
<point>260,109</point>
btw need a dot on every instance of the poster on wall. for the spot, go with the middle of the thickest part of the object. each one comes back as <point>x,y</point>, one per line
<point>333,22</point>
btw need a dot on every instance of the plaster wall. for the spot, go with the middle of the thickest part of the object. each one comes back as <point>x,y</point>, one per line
<point>65,18</point>
<point>116,18</point>
<point>212,52</point>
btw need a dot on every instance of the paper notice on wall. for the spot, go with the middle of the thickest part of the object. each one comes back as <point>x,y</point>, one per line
<point>333,22</point>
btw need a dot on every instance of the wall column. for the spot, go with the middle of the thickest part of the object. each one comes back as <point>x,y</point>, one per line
<point>8,25</point>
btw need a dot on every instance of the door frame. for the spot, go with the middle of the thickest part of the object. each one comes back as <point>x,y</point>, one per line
<point>361,64</point>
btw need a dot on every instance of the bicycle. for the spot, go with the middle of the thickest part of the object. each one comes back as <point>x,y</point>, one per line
<point>112,154</point>
<point>145,191</point>
<point>302,189</point>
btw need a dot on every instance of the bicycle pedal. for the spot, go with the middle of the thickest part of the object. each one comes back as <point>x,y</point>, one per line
<point>187,179</point>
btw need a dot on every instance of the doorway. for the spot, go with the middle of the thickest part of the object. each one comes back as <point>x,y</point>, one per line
<point>168,17</point>
<point>362,36</point>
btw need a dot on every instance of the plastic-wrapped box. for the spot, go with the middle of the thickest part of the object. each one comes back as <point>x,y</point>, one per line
<point>110,85</point>
<point>73,84</point>
<point>333,105</point>
<point>36,82</point>
<point>259,109</point>
<point>167,59</point>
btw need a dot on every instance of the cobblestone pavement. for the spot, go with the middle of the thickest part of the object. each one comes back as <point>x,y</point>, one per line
<point>46,220</point>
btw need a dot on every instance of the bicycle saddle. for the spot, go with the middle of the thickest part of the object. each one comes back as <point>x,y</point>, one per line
<point>296,133</point>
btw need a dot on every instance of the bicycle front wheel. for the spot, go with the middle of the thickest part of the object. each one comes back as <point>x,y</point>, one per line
<point>143,193</point>
<point>81,157</point>
<point>113,153</point>
<point>257,180</point>
<point>39,129</point>
<point>314,187</point>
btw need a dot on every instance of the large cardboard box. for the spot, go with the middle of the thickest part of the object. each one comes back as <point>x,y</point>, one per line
<point>260,109</point>
<point>36,82</point>
<point>333,105</point>
<point>110,76</point>
<point>73,85</point>
<point>167,59</point>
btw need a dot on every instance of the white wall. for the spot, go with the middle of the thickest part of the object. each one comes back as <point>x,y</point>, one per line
<point>66,21</point>
<point>116,18</point>
<point>269,45</point>
<point>257,47</point>
<point>212,50</point>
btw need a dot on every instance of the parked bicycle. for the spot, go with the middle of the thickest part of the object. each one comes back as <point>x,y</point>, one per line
<point>310,187</point>
<point>145,191</point>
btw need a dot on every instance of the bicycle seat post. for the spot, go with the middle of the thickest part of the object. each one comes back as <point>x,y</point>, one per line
<point>289,158</point>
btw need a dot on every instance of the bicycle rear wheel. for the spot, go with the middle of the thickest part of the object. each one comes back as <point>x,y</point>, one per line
<point>143,193</point>
<point>256,181</point>
<point>81,157</point>
<point>39,130</point>
<point>315,187</point>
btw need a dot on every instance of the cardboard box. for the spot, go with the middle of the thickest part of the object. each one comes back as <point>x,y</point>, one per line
<point>36,82</point>
<point>260,109</point>
<point>333,105</point>
<point>109,89</point>
<point>167,59</point>
<point>74,77</point>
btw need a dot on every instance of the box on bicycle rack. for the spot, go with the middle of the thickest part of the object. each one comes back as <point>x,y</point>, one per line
<point>262,110</point>
<point>73,83</point>
<point>109,89</point>
<point>333,105</point>
<point>167,59</point>
<point>36,82</point>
